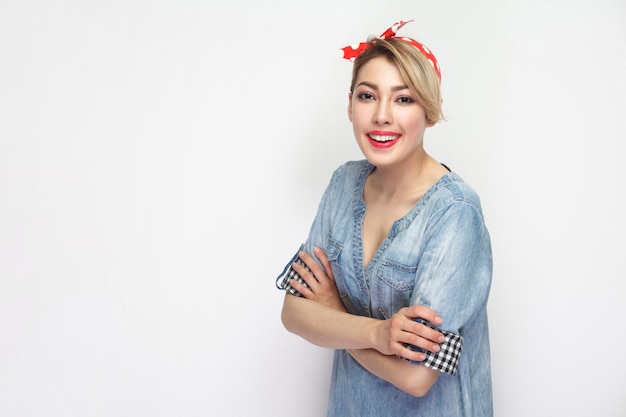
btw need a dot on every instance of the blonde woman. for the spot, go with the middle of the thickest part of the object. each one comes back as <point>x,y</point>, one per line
<point>396,271</point>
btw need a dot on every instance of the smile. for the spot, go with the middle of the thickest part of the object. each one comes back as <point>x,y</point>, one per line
<point>383,139</point>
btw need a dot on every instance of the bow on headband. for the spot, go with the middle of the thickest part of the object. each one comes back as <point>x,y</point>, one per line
<point>353,51</point>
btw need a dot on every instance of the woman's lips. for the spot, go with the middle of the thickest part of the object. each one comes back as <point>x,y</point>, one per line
<point>383,139</point>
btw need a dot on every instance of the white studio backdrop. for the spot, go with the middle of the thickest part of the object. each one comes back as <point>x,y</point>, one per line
<point>161,161</point>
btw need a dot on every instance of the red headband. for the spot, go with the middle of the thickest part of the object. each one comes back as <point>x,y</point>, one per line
<point>351,52</point>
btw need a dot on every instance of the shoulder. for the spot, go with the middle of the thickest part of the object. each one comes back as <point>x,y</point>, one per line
<point>458,189</point>
<point>453,202</point>
<point>351,173</point>
<point>451,190</point>
<point>353,169</point>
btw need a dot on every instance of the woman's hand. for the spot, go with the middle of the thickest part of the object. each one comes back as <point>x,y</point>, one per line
<point>392,335</point>
<point>321,281</point>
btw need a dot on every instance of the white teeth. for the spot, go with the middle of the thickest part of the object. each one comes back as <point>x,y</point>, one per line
<point>381,138</point>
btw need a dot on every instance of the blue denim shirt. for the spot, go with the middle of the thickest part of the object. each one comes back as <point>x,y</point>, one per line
<point>438,255</point>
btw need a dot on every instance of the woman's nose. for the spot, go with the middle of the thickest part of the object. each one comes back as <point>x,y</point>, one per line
<point>383,114</point>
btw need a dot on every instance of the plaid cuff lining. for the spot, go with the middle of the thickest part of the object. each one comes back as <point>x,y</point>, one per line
<point>447,359</point>
<point>282,281</point>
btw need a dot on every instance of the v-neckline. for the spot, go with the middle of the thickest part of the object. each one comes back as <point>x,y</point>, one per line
<point>361,209</point>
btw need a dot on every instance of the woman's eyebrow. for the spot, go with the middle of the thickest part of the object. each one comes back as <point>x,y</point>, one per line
<point>375,87</point>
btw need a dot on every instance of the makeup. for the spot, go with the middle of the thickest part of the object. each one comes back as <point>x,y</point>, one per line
<point>383,139</point>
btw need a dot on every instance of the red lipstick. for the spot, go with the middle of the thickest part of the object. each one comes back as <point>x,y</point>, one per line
<point>383,139</point>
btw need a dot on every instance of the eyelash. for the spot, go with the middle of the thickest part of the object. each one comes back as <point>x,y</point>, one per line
<point>401,100</point>
<point>365,96</point>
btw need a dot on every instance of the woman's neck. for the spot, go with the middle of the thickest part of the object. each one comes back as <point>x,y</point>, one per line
<point>407,183</point>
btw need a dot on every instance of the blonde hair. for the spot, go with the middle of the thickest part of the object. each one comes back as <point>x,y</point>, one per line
<point>416,71</point>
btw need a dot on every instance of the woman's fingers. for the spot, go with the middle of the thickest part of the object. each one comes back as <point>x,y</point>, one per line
<point>423,312</point>
<point>404,330</point>
<point>423,336</point>
<point>319,278</point>
<point>412,355</point>
<point>321,255</point>
<point>316,269</point>
<point>307,275</point>
<point>302,289</point>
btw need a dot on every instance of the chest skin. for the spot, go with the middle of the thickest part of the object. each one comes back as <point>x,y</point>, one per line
<point>379,218</point>
<point>383,210</point>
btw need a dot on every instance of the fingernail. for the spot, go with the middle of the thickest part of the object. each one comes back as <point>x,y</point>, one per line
<point>436,348</point>
<point>438,320</point>
<point>441,339</point>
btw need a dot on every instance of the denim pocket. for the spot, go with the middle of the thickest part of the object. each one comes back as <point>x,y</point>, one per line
<point>394,286</point>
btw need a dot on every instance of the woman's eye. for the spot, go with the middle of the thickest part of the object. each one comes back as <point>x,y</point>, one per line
<point>365,96</point>
<point>405,100</point>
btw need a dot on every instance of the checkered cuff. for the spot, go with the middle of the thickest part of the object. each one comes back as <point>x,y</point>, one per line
<point>447,359</point>
<point>282,281</point>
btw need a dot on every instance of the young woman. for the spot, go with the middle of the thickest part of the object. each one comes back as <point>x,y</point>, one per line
<point>396,271</point>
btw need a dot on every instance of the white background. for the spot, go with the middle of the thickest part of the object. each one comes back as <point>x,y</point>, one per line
<point>160,161</point>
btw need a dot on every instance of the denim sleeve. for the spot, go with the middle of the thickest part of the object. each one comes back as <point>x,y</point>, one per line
<point>317,235</point>
<point>455,269</point>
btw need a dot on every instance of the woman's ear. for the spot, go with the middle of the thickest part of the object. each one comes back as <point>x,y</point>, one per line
<point>350,107</point>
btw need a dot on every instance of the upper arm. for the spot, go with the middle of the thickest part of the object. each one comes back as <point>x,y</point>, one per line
<point>454,274</point>
<point>453,278</point>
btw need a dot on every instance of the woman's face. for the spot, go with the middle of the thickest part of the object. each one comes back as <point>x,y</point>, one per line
<point>388,122</point>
